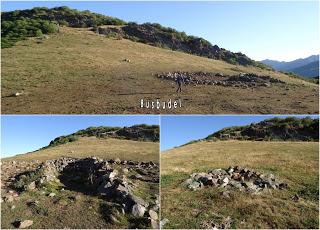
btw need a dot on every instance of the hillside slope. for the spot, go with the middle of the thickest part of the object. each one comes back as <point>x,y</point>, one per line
<point>110,148</point>
<point>291,128</point>
<point>19,24</point>
<point>296,163</point>
<point>79,71</point>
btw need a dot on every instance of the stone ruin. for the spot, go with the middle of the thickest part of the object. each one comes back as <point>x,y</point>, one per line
<point>243,80</point>
<point>237,177</point>
<point>111,179</point>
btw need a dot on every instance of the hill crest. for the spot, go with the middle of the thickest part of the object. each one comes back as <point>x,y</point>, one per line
<point>137,133</point>
<point>274,129</point>
<point>294,129</point>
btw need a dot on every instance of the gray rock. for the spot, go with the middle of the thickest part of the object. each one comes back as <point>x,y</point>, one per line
<point>155,224</point>
<point>226,194</point>
<point>52,194</point>
<point>225,182</point>
<point>187,182</point>
<point>114,219</point>
<point>153,215</point>
<point>194,185</point>
<point>25,224</point>
<point>9,198</point>
<point>32,186</point>
<point>138,210</point>
<point>138,200</point>
<point>163,222</point>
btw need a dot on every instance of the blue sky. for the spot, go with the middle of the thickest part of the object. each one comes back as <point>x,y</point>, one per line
<point>21,134</point>
<point>263,29</point>
<point>178,130</point>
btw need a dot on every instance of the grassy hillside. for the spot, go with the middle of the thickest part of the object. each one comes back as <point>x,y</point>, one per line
<point>19,24</point>
<point>296,163</point>
<point>110,148</point>
<point>79,71</point>
<point>136,133</point>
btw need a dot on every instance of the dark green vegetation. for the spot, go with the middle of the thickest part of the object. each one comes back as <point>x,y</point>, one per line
<point>137,132</point>
<point>309,79</point>
<point>291,128</point>
<point>309,70</point>
<point>19,24</point>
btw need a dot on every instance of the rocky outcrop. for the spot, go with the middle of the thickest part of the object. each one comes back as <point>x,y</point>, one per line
<point>243,80</point>
<point>236,177</point>
<point>157,35</point>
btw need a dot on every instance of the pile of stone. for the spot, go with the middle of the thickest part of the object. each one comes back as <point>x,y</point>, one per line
<point>113,179</point>
<point>236,177</point>
<point>9,169</point>
<point>243,80</point>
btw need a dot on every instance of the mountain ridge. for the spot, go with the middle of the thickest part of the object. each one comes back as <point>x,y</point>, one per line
<point>306,67</point>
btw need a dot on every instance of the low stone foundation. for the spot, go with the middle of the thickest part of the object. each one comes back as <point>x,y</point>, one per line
<point>112,179</point>
<point>243,80</point>
<point>236,177</point>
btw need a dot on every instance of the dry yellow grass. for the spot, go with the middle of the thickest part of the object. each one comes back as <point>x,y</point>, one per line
<point>110,148</point>
<point>78,71</point>
<point>296,163</point>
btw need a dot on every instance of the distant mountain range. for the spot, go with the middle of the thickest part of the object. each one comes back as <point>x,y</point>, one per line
<point>306,67</point>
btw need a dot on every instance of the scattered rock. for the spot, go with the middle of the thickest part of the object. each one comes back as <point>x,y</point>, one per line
<point>23,224</point>
<point>52,194</point>
<point>163,222</point>
<point>295,198</point>
<point>153,215</point>
<point>32,185</point>
<point>225,224</point>
<point>194,185</point>
<point>226,194</point>
<point>17,94</point>
<point>154,224</point>
<point>9,198</point>
<point>113,219</point>
<point>138,210</point>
